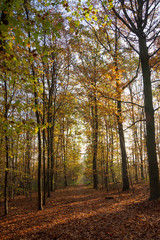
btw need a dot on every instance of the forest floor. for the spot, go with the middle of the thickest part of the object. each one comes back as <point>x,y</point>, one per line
<point>83,213</point>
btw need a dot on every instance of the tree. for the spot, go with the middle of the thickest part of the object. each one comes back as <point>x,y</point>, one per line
<point>119,117</point>
<point>141,19</point>
<point>4,22</point>
<point>89,78</point>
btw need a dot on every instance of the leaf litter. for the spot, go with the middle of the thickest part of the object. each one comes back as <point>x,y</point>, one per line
<point>79,213</point>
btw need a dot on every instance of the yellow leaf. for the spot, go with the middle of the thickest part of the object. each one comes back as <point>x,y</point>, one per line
<point>28,45</point>
<point>36,129</point>
<point>10,44</point>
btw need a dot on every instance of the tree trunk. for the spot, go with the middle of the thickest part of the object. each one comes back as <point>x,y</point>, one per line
<point>44,143</point>
<point>39,172</point>
<point>111,160</point>
<point>28,156</point>
<point>141,150</point>
<point>7,151</point>
<point>150,127</point>
<point>4,21</point>
<point>56,164</point>
<point>125,179</point>
<point>64,157</point>
<point>44,167</point>
<point>39,148</point>
<point>135,139</point>
<point>102,164</point>
<point>107,158</point>
<point>6,178</point>
<point>13,169</point>
<point>49,157</point>
<point>52,154</point>
<point>95,142</point>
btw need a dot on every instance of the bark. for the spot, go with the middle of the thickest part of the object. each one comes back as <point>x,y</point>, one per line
<point>150,126</point>
<point>95,142</point>
<point>49,156</point>
<point>95,123</point>
<point>4,21</point>
<point>51,122</point>
<point>141,150</point>
<point>107,156</point>
<point>39,171</point>
<point>13,170</point>
<point>64,157</point>
<point>44,167</point>
<point>44,142</point>
<point>56,164</point>
<point>102,164</point>
<point>38,120</point>
<point>143,11</point>
<point>7,152</point>
<point>112,155</point>
<point>158,140</point>
<point>6,178</point>
<point>52,154</point>
<point>55,176</point>
<point>39,150</point>
<point>39,146</point>
<point>28,156</point>
<point>135,139</point>
<point>125,180</point>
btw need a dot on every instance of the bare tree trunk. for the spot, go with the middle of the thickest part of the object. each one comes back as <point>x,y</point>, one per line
<point>150,126</point>
<point>141,149</point>
<point>158,134</point>
<point>4,21</point>
<point>7,152</point>
<point>125,179</point>
<point>107,158</point>
<point>6,178</point>
<point>52,154</point>
<point>111,160</point>
<point>64,157</point>
<point>56,164</point>
<point>102,164</point>
<point>135,139</point>
<point>49,156</point>
<point>44,141</point>
<point>39,171</point>
<point>13,169</point>
<point>39,147</point>
<point>95,142</point>
<point>143,12</point>
<point>28,156</point>
<point>44,167</point>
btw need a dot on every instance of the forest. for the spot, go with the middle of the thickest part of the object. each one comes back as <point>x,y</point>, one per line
<point>79,117</point>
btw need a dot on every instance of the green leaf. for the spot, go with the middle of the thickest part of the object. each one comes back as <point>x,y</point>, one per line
<point>69,19</point>
<point>77,23</point>
<point>105,18</point>
<point>90,7</point>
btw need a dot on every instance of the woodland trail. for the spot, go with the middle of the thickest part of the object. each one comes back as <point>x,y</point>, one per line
<point>83,213</point>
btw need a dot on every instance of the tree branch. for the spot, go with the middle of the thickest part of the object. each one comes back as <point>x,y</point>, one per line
<point>125,23</point>
<point>140,120</point>
<point>127,84</point>
<point>154,52</point>
<point>116,100</point>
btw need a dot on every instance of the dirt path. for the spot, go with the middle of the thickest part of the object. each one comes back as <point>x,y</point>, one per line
<point>83,213</point>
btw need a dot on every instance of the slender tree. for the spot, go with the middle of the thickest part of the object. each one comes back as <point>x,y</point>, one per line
<point>141,19</point>
<point>6,10</point>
